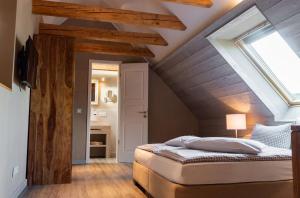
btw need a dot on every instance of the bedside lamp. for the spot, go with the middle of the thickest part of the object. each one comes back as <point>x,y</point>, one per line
<point>236,122</point>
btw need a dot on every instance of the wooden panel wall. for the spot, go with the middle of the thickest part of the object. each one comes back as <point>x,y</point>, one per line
<point>209,86</point>
<point>50,133</point>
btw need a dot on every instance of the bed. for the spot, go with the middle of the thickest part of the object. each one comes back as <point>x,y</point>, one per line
<point>172,172</point>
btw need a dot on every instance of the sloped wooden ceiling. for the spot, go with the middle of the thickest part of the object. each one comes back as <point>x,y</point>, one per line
<point>209,86</point>
<point>103,41</point>
<point>196,72</point>
<point>159,25</point>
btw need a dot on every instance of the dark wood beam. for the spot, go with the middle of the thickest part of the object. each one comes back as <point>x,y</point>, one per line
<point>102,34</point>
<point>296,159</point>
<point>112,49</point>
<point>97,13</point>
<point>202,3</point>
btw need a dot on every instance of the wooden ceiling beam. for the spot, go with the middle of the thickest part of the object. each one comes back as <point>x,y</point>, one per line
<point>98,13</point>
<point>102,34</point>
<point>112,49</point>
<point>201,3</point>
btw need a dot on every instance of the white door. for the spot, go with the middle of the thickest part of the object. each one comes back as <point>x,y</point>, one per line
<point>134,109</point>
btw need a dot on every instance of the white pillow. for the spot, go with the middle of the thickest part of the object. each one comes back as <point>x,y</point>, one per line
<point>226,145</point>
<point>179,141</point>
<point>276,136</point>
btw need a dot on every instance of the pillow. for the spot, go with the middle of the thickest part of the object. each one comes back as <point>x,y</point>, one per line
<point>226,145</point>
<point>179,141</point>
<point>276,136</point>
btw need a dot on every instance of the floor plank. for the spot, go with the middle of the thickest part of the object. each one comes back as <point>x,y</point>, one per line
<point>93,181</point>
<point>103,160</point>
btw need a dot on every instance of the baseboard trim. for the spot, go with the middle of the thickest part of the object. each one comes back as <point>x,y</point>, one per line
<point>78,162</point>
<point>21,190</point>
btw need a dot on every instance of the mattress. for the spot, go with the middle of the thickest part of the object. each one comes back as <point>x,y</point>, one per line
<point>215,172</point>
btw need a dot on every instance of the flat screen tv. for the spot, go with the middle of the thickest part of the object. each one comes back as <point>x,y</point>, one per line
<point>27,62</point>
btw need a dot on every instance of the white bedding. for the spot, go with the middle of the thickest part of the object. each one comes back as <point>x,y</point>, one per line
<point>215,172</point>
<point>225,145</point>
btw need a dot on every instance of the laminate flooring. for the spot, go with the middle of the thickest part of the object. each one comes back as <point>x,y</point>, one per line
<point>92,181</point>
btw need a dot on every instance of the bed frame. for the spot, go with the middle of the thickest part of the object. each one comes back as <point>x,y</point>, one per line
<point>157,186</point>
<point>296,159</point>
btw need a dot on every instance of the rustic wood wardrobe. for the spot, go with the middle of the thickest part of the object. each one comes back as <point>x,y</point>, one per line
<point>50,128</point>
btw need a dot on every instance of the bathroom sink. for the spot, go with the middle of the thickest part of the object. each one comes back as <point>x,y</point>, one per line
<point>101,127</point>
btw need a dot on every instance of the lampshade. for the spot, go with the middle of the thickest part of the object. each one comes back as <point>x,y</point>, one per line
<point>236,121</point>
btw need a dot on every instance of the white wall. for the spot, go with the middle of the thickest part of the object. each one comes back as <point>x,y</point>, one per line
<point>14,111</point>
<point>14,108</point>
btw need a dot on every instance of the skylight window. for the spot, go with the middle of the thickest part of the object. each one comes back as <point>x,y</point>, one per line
<point>277,62</point>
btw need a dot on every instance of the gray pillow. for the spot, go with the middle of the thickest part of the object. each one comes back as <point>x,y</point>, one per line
<point>276,136</point>
<point>226,145</point>
<point>179,141</point>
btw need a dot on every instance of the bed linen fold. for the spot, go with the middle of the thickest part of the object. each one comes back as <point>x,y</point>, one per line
<point>186,156</point>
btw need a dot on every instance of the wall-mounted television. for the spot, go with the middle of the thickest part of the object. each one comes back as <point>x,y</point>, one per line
<point>27,62</point>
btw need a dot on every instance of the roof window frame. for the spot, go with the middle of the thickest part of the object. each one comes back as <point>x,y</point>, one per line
<point>244,41</point>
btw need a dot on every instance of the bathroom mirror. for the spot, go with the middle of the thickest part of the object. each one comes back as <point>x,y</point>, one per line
<point>95,92</point>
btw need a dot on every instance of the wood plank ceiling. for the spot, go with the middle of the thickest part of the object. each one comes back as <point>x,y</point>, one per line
<point>196,72</point>
<point>208,85</point>
<point>120,42</point>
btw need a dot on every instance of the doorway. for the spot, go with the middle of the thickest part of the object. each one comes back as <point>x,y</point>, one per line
<point>103,112</point>
<point>117,111</point>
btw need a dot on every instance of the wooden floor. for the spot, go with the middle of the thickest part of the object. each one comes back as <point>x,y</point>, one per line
<point>93,181</point>
<point>104,160</point>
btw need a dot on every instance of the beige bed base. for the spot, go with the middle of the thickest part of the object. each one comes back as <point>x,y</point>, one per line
<point>158,187</point>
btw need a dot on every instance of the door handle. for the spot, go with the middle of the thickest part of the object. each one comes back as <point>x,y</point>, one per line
<point>143,112</point>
